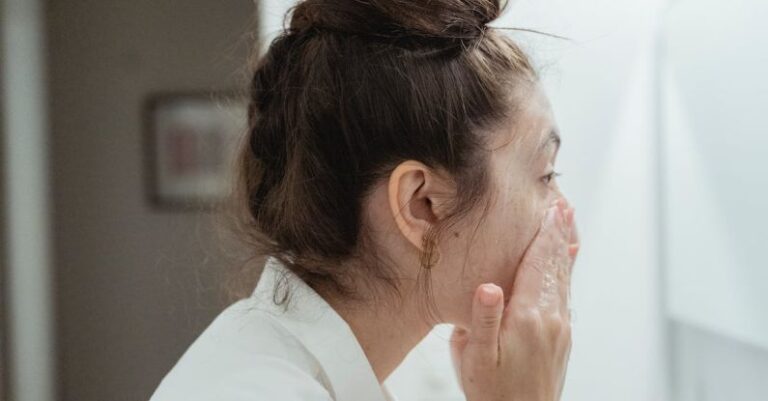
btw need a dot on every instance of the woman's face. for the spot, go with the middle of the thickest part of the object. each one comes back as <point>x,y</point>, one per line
<point>522,159</point>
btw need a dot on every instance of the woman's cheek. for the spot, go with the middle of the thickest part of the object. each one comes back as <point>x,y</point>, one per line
<point>530,223</point>
<point>524,224</point>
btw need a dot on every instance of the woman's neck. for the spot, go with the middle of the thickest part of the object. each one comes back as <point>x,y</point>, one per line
<point>387,332</point>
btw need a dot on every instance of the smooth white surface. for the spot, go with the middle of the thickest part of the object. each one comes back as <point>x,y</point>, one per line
<point>716,185</point>
<point>25,131</point>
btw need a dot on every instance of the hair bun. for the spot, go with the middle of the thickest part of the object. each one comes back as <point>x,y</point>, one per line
<point>436,19</point>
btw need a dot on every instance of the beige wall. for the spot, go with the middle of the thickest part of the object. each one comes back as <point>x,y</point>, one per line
<point>134,286</point>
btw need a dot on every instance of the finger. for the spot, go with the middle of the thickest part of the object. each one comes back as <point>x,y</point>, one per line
<point>564,270</point>
<point>571,222</point>
<point>574,242</point>
<point>486,322</point>
<point>564,287</point>
<point>573,250</point>
<point>459,339</point>
<point>538,271</point>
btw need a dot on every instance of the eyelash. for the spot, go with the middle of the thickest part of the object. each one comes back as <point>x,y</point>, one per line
<point>547,179</point>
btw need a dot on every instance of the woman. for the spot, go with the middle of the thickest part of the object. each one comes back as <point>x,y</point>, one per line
<point>398,173</point>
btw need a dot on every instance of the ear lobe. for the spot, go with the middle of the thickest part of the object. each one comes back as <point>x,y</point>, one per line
<point>415,194</point>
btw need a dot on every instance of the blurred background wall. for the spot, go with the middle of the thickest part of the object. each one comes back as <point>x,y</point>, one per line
<point>133,285</point>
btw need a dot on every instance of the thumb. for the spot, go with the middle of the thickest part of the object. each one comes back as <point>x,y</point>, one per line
<point>487,310</point>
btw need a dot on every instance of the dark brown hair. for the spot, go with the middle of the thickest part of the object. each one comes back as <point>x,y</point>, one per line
<point>346,92</point>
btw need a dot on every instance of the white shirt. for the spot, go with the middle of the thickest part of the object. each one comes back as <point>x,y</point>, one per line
<point>256,350</point>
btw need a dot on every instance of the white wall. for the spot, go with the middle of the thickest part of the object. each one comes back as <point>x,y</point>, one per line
<point>602,87</point>
<point>715,189</point>
<point>716,92</point>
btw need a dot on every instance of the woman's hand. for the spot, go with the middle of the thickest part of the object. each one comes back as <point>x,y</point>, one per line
<point>520,352</point>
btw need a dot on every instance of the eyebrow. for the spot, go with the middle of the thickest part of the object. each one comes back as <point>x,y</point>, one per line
<point>553,137</point>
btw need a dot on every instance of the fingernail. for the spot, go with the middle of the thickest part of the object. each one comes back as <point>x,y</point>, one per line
<point>488,295</point>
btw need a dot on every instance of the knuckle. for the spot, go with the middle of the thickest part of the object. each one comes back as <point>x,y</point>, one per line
<point>555,324</point>
<point>488,321</point>
<point>528,320</point>
<point>551,321</point>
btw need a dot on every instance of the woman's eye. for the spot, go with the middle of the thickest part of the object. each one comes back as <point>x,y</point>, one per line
<point>547,179</point>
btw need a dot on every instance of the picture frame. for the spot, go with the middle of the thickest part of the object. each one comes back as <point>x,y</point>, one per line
<point>190,142</point>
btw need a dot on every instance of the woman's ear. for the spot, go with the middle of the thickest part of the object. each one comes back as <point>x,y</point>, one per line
<point>418,199</point>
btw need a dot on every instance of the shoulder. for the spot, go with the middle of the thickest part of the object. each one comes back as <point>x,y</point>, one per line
<point>268,378</point>
<point>244,354</point>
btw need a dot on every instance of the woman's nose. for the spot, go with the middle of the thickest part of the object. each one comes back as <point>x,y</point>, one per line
<point>557,194</point>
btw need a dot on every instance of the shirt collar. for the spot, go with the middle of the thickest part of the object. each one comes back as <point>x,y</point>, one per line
<point>324,333</point>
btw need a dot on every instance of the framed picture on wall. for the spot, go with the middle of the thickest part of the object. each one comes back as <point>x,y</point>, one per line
<point>191,140</point>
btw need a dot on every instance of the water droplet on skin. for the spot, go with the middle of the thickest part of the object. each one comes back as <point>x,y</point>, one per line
<point>549,290</point>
